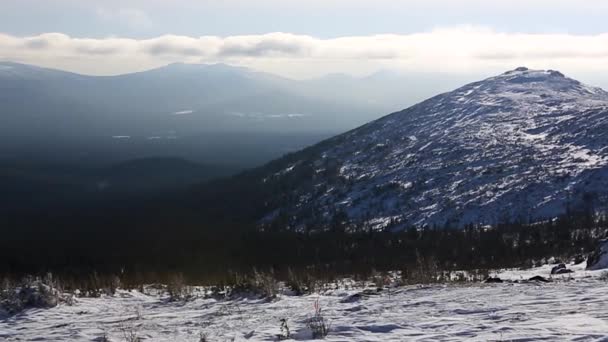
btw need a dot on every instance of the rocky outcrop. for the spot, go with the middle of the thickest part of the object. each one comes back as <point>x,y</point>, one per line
<point>598,259</point>
<point>561,269</point>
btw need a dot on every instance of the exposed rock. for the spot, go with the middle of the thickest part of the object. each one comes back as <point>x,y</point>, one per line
<point>560,269</point>
<point>563,271</point>
<point>540,279</point>
<point>493,280</point>
<point>598,259</point>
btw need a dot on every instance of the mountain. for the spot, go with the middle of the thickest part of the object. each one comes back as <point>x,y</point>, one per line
<point>175,100</point>
<point>200,112</point>
<point>522,146</point>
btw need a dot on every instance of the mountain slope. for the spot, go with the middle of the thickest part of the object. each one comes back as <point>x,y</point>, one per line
<point>524,145</point>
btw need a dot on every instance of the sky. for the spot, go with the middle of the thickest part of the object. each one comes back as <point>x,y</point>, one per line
<point>309,38</point>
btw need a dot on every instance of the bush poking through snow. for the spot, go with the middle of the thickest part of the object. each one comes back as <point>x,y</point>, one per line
<point>262,284</point>
<point>317,323</point>
<point>178,290</point>
<point>426,271</point>
<point>129,333</point>
<point>285,334</point>
<point>31,293</point>
<point>266,284</point>
<point>301,283</point>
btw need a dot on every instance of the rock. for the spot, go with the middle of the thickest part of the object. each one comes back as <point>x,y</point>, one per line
<point>564,271</point>
<point>491,280</point>
<point>560,269</point>
<point>598,259</point>
<point>352,298</point>
<point>540,279</point>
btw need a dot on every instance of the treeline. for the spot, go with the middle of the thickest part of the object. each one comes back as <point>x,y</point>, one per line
<point>151,246</point>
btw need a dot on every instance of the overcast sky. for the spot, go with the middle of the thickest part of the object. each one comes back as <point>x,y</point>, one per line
<point>307,38</point>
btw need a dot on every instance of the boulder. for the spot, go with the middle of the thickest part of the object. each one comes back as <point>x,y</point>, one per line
<point>560,269</point>
<point>563,271</point>
<point>598,259</point>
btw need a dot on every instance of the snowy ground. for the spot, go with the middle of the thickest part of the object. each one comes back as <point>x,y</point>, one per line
<point>569,308</point>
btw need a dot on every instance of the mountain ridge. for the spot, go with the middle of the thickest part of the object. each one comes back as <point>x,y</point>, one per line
<point>524,146</point>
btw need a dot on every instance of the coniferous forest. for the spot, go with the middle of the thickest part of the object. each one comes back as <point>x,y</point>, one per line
<point>150,244</point>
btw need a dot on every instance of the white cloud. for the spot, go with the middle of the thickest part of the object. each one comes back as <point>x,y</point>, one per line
<point>448,49</point>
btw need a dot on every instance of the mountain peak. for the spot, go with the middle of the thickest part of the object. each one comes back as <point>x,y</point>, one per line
<point>523,145</point>
<point>532,73</point>
<point>547,84</point>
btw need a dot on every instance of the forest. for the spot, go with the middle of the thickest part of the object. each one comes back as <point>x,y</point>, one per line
<point>155,246</point>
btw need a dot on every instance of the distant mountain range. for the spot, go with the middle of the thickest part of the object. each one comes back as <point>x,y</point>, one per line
<point>192,111</point>
<point>183,99</point>
<point>523,146</point>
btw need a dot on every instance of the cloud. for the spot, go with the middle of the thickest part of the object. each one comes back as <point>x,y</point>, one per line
<point>274,44</point>
<point>178,46</point>
<point>446,49</point>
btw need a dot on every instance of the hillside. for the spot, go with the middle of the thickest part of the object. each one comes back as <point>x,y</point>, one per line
<point>522,146</point>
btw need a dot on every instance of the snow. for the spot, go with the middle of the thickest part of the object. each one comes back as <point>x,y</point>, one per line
<point>289,115</point>
<point>522,145</point>
<point>183,112</point>
<point>261,116</point>
<point>571,307</point>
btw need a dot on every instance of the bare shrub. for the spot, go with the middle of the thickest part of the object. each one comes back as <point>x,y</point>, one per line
<point>284,334</point>
<point>301,283</point>
<point>262,284</point>
<point>266,284</point>
<point>178,290</point>
<point>425,271</point>
<point>114,284</point>
<point>32,293</point>
<point>317,324</point>
<point>138,315</point>
<point>130,333</point>
<point>381,279</point>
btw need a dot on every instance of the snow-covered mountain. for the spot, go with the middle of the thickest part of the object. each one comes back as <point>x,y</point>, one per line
<point>524,145</point>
